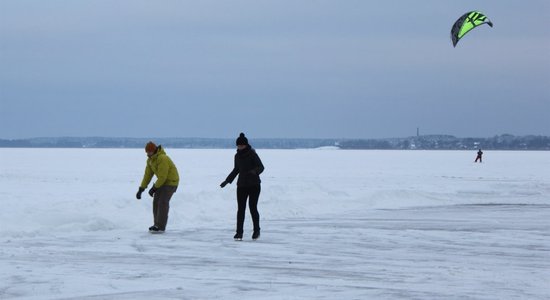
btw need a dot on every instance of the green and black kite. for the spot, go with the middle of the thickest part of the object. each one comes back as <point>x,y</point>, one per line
<point>466,23</point>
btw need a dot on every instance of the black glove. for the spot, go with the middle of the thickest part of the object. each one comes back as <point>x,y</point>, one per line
<point>138,195</point>
<point>152,191</point>
<point>224,184</point>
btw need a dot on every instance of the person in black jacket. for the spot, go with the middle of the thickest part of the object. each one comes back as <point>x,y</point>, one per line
<point>479,154</point>
<point>249,167</point>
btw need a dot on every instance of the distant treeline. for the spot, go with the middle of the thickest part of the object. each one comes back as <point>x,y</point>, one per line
<point>424,142</point>
<point>448,142</point>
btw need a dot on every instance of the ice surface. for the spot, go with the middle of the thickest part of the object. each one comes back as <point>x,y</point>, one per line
<point>335,225</point>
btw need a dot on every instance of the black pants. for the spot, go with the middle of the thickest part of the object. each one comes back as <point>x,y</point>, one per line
<point>252,194</point>
<point>161,205</point>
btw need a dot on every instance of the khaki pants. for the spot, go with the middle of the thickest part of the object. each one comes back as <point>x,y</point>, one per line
<point>161,205</point>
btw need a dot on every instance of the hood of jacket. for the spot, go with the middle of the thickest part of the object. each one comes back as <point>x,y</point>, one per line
<point>160,152</point>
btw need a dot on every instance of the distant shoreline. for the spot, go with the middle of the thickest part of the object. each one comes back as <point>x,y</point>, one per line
<point>422,142</point>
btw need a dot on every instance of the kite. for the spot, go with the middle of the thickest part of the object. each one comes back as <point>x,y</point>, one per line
<point>466,23</point>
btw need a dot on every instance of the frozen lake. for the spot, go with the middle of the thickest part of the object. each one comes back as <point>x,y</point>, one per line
<point>335,225</point>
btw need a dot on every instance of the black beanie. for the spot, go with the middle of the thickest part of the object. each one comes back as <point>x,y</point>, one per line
<point>242,140</point>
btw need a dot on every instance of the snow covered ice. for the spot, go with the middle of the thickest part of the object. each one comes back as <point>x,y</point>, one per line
<point>335,225</point>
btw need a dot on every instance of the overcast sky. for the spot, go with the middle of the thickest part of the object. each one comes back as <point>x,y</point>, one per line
<point>342,69</point>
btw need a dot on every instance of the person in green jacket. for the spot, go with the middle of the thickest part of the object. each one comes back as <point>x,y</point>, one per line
<point>159,164</point>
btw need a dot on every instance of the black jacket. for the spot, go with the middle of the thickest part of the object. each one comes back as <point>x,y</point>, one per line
<point>248,166</point>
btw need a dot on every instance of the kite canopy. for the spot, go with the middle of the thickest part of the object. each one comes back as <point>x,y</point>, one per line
<point>467,22</point>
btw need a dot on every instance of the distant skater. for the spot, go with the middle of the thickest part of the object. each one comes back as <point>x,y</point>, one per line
<point>159,164</point>
<point>479,154</point>
<point>249,167</point>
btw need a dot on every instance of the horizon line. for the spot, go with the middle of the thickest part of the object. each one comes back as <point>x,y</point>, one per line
<point>267,138</point>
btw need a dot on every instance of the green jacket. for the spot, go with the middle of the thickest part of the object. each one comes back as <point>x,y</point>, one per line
<point>161,165</point>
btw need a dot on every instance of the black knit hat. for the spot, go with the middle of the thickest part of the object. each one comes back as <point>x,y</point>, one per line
<point>241,140</point>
